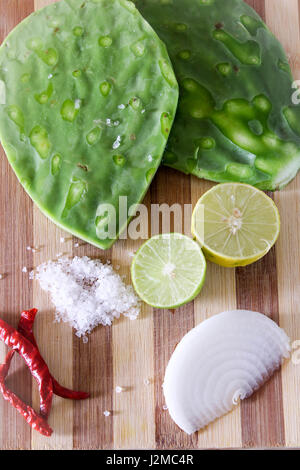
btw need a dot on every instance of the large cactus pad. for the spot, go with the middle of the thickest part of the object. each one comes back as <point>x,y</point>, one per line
<point>236,120</point>
<point>87,100</point>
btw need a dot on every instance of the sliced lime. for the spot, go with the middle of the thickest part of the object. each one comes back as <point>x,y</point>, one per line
<point>236,224</point>
<point>168,270</point>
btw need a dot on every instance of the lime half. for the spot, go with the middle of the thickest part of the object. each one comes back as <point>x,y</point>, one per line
<point>236,224</point>
<point>168,270</point>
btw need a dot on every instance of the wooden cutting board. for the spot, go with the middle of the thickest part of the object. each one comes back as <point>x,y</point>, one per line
<point>131,353</point>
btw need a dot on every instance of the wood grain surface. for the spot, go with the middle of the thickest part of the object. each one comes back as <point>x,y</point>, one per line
<point>134,354</point>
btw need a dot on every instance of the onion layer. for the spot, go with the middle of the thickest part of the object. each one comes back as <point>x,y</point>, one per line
<point>220,362</point>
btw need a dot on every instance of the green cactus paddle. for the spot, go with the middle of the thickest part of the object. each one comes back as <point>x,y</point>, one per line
<point>235,120</point>
<point>87,100</point>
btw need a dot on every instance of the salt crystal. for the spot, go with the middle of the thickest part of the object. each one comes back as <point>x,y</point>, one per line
<point>1,276</point>
<point>165,407</point>
<point>77,104</point>
<point>62,240</point>
<point>28,248</point>
<point>149,158</point>
<point>50,75</point>
<point>24,270</point>
<point>121,106</point>
<point>59,255</point>
<point>143,110</point>
<point>119,389</point>
<point>106,413</point>
<point>86,292</point>
<point>147,382</point>
<point>76,245</point>
<point>117,143</point>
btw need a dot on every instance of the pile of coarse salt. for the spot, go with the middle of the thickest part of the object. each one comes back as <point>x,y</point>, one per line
<point>86,292</point>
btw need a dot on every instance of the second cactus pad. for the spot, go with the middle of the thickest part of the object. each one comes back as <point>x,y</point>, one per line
<point>236,120</point>
<point>87,100</point>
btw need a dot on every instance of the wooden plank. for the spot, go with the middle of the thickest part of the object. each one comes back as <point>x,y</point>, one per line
<point>93,372</point>
<point>262,413</point>
<point>133,357</point>
<point>257,290</point>
<point>169,187</point>
<point>218,295</point>
<point>132,353</point>
<point>55,340</point>
<point>15,234</point>
<point>259,7</point>
<point>284,22</point>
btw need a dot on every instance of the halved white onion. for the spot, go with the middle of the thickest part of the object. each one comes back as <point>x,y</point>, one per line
<point>220,362</point>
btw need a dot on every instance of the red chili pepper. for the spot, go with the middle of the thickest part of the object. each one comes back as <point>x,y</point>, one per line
<point>36,364</point>
<point>26,329</point>
<point>36,421</point>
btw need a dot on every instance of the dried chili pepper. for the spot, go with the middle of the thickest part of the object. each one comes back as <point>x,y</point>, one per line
<point>36,364</point>
<point>36,421</point>
<point>23,342</point>
<point>26,329</point>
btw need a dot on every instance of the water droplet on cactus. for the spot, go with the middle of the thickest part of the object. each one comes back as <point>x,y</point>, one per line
<point>93,136</point>
<point>225,69</point>
<point>16,115</point>
<point>198,102</point>
<point>167,72</point>
<point>119,160</point>
<point>105,41</point>
<point>76,191</point>
<point>138,48</point>
<point>69,110</point>
<point>55,164</point>
<point>247,53</point>
<point>206,143</point>
<point>180,27</point>
<point>266,165</point>
<point>166,123</point>
<point>184,55</point>
<point>78,31</point>
<point>251,24</point>
<point>292,118</point>
<point>40,141</point>
<point>76,73</point>
<point>135,103</point>
<point>35,44</point>
<point>50,57</point>
<point>238,170</point>
<point>189,84</point>
<point>262,103</point>
<point>43,97</point>
<point>105,88</point>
